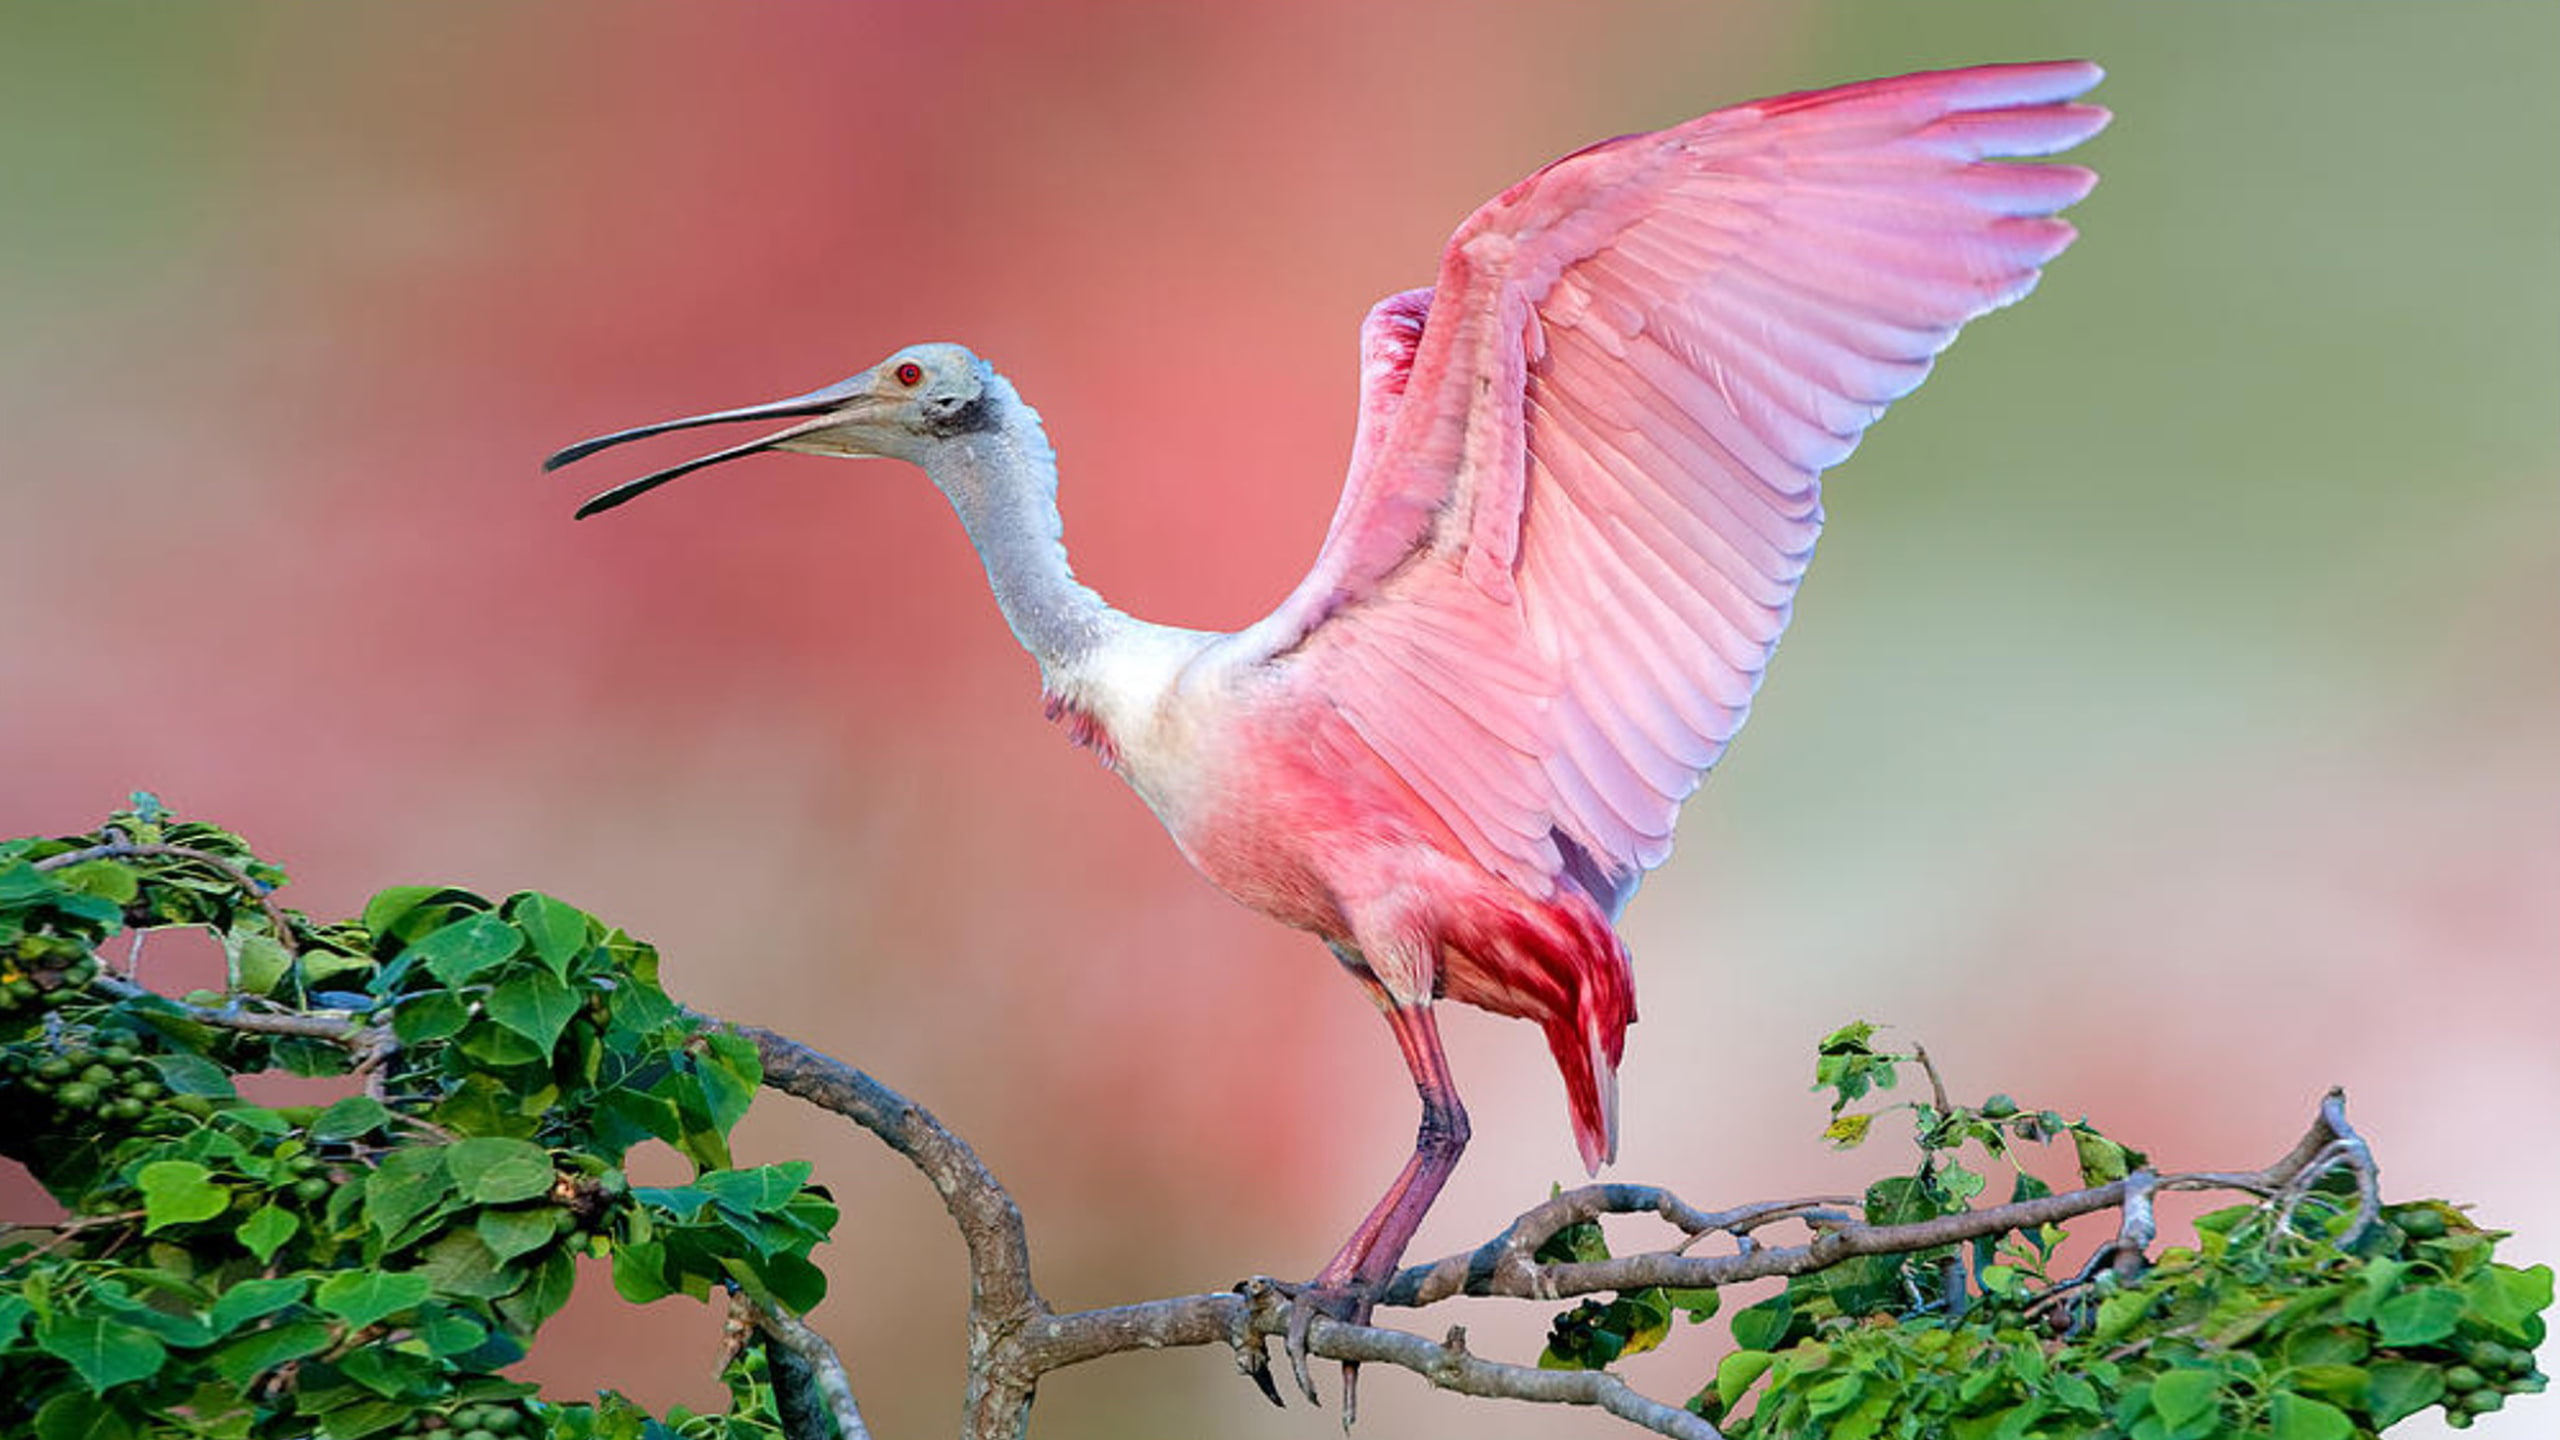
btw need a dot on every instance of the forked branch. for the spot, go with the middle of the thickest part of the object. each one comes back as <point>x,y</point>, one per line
<point>1015,1337</point>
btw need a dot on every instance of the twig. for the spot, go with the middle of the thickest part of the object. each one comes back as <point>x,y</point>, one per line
<point>370,1044</point>
<point>278,918</point>
<point>1448,1365</point>
<point>64,1230</point>
<point>1937,1086</point>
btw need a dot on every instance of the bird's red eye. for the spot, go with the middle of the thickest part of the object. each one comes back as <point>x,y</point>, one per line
<point>910,373</point>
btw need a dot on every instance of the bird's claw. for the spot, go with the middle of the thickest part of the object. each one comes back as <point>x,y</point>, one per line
<point>1346,1303</point>
<point>1253,1354</point>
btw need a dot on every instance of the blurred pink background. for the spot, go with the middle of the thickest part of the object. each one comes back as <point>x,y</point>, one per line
<point>2167,732</point>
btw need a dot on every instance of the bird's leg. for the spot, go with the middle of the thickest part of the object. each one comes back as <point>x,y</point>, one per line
<point>1347,1286</point>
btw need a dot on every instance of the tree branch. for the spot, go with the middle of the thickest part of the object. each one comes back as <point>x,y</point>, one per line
<point>1002,1299</point>
<point>1014,1337</point>
<point>808,1376</point>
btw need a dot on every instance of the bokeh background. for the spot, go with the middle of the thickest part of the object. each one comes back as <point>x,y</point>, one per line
<point>2170,730</point>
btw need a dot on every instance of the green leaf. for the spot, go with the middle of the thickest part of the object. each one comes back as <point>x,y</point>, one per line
<point>2326,1345</point>
<point>391,1373</point>
<point>404,912</point>
<point>499,1047</point>
<point>254,1354</point>
<point>21,883</point>
<point>259,961</point>
<point>1700,1303</point>
<point>497,1171</point>
<point>362,1297</point>
<point>266,1230</point>
<point>2295,1417</point>
<point>461,1263</point>
<point>429,1015</point>
<point>730,1071</point>
<point>321,965</point>
<point>1576,1243</point>
<point>535,1005</point>
<point>510,1233</point>
<point>1849,1039</point>
<point>2380,1280</point>
<point>448,1332</point>
<point>2120,1312</point>
<point>2181,1396</point>
<point>1846,1132</point>
<point>106,879</point>
<point>1736,1371</point>
<point>2331,1380</point>
<point>685,1202</point>
<point>543,1295</point>
<point>2418,1317</point>
<point>641,1008</point>
<point>193,1075</point>
<point>70,1415</point>
<point>640,1272</point>
<point>247,1300</point>
<point>1834,1395</point>
<point>186,1331</point>
<point>625,1116</point>
<point>2507,1299</point>
<point>106,1352</point>
<point>410,1184</point>
<point>1900,1200</point>
<point>356,1115</point>
<point>560,932</point>
<point>1960,1184</point>
<point>800,1285</point>
<point>2397,1389</point>
<point>758,1191</point>
<point>483,1104</point>
<point>1763,1326</point>
<point>464,948</point>
<point>2102,1161</point>
<point>14,1313</point>
<point>364,1417</point>
<point>179,1192</point>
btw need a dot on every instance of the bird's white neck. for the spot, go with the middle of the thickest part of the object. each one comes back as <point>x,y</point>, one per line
<point>1003,482</point>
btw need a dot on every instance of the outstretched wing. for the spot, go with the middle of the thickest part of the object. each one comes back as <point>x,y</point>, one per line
<point>1586,488</point>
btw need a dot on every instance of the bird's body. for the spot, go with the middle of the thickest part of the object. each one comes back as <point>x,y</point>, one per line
<point>1582,490</point>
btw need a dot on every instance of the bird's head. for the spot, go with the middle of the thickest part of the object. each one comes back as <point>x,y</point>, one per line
<point>903,407</point>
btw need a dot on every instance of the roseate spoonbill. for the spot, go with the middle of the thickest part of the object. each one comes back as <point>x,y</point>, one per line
<point>1581,494</point>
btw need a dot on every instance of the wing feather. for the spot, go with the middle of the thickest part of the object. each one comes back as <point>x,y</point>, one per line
<point>1586,483</point>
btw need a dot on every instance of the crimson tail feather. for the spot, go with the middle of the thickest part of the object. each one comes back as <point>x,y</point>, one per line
<point>1558,963</point>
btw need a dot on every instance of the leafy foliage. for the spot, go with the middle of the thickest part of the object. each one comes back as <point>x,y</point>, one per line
<point>368,1266</point>
<point>2289,1319</point>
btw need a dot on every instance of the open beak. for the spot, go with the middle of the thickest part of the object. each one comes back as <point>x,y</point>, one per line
<point>823,407</point>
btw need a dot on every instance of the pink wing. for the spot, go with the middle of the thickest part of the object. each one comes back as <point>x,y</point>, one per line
<point>1585,487</point>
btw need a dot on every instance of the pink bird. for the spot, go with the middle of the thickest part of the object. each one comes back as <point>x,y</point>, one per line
<point>1582,491</point>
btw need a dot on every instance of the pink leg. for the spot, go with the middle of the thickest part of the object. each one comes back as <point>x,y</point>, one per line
<point>1346,1286</point>
<point>1369,1257</point>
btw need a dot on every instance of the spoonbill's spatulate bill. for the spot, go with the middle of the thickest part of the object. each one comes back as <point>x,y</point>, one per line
<point>1583,489</point>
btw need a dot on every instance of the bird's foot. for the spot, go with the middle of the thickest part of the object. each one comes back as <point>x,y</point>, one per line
<point>1349,1303</point>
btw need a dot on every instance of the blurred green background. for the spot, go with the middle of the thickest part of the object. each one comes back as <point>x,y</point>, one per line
<point>2167,732</point>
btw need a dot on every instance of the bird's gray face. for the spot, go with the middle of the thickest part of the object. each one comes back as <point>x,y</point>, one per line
<point>923,396</point>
